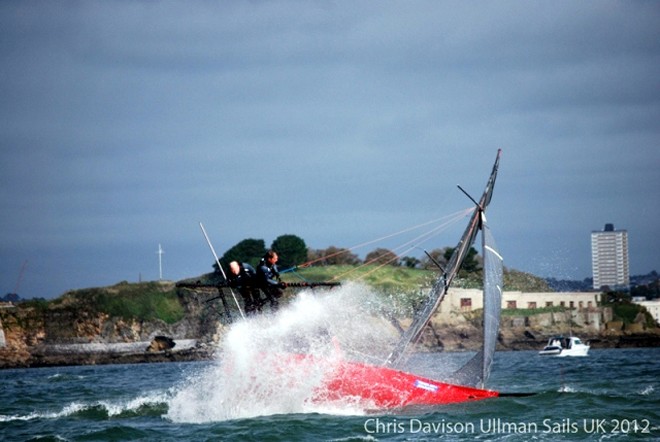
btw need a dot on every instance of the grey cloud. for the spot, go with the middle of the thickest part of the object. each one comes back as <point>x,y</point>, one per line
<point>126,123</point>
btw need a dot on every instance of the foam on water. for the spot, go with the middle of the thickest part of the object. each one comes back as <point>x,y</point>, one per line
<point>647,390</point>
<point>255,374</point>
<point>567,389</point>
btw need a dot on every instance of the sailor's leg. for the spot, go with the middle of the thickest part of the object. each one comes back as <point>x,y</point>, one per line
<point>275,294</point>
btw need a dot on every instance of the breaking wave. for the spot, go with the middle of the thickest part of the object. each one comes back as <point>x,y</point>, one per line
<point>647,390</point>
<point>150,405</point>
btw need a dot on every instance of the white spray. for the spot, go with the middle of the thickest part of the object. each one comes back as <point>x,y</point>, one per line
<point>252,377</point>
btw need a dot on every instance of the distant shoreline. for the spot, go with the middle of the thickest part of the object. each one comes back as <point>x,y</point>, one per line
<point>58,355</point>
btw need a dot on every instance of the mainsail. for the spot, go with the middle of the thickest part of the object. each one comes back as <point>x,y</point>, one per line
<point>475,372</point>
<point>441,285</point>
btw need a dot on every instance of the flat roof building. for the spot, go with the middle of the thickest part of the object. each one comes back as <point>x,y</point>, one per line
<point>609,259</point>
<point>653,307</point>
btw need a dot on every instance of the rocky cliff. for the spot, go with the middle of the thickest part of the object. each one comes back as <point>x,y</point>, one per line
<point>77,332</point>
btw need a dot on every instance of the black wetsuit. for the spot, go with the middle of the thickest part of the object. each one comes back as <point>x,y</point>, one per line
<point>268,280</point>
<point>246,284</point>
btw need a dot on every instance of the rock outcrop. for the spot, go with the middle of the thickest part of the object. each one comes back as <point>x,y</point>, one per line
<point>67,333</point>
<point>161,343</point>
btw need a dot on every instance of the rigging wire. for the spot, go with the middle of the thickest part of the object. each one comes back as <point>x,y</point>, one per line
<point>408,245</point>
<point>452,218</point>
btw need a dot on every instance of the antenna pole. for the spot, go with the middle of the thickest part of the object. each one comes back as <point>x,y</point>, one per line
<point>160,262</point>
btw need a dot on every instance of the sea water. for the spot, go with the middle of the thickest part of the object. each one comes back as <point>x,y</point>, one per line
<point>243,395</point>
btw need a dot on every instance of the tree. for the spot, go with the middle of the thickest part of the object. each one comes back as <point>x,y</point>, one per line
<point>410,261</point>
<point>438,256</point>
<point>382,256</point>
<point>471,261</point>
<point>248,250</point>
<point>291,250</point>
<point>333,256</point>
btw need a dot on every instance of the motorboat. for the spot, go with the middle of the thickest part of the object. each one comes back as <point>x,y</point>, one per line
<point>561,346</point>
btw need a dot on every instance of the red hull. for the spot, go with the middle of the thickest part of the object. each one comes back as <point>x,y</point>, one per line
<point>384,388</point>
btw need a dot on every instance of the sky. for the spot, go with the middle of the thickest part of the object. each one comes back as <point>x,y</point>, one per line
<point>123,125</point>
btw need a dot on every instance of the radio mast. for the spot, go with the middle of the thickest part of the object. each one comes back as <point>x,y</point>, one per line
<point>160,262</point>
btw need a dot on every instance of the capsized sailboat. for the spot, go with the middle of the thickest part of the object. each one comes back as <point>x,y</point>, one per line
<point>387,386</point>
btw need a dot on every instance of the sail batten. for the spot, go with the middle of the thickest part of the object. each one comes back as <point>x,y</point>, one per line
<point>442,283</point>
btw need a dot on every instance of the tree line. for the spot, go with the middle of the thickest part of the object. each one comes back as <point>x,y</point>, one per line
<point>293,251</point>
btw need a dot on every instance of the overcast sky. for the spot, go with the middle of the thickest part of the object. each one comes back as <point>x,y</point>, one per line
<point>125,124</point>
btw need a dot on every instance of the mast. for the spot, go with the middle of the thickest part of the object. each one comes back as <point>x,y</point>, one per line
<point>217,261</point>
<point>442,283</point>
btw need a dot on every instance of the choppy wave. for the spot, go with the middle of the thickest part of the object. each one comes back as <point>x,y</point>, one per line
<point>567,389</point>
<point>154,405</point>
<point>139,402</point>
<point>646,391</point>
<point>65,377</point>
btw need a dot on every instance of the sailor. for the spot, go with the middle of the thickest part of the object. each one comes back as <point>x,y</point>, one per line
<point>268,278</point>
<point>243,277</point>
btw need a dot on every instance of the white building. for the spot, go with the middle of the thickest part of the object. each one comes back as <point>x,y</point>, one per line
<point>653,308</point>
<point>609,258</point>
<point>472,299</point>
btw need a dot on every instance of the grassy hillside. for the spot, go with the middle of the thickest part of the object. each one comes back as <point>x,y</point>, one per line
<point>400,287</point>
<point>405,287</point>
<point>406,280</point>
<point>147,301</point>
<point>386,278</point>
<point>143,301</point>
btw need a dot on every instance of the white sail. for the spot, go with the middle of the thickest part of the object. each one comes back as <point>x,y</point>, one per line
<point>476,371</point>
<point>493,286</point>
